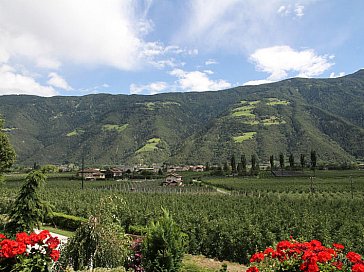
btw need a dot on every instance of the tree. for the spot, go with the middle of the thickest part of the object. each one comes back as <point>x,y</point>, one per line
<point>291,161</point>
<point>271,160</point>
<point>207,166</point>
<point>7,153</point>
<point>29,209</point>
<point>313,160</point>
<point>240,169</point>
<point>226,169</point>
<point>254,164</point>
<point>163,246</point>
<point>233,164</point>
<point>281,160</point>
<point>101,242</point>
<point>243,164</point>
<point>302,161</point>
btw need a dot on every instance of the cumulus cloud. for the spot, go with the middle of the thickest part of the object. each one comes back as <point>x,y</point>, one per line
<point>152,88</point>
<point>198,81</point>
<point>279,61</point>
<point>333,75</point>
<point>12,82</point>
<point>57,81</point>
<point>50,33</point>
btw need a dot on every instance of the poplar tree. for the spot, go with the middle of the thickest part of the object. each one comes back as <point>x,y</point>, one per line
<point>271,160</point>
<point>291,161</point>
<point>302,161</point>
<point>233,164</point>
<point>281,161</point>
<point>243,164</point>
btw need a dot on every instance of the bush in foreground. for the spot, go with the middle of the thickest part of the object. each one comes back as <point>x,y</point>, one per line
<point>164,245</point>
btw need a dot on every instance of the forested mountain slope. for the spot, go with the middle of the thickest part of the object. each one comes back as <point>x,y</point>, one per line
<point>294,115</point>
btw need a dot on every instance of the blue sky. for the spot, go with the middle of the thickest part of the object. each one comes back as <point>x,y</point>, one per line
<point>74,47</point>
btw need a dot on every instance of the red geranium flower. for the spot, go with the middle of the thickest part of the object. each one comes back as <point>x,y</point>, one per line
<point>23,237</point>
<point>338,246</point>
<point>353,257</point>
<point>359,267</point>
<point>257,257</point>
<point>252,269</point>
<point>54,255</point>
<point>44,234</point>
<point>324,256</point>
<point>53,242</point>
<point>10,248</point>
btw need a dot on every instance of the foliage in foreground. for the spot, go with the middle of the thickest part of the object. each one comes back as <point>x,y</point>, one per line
<point>307,257</point>
<point>163,247</point>
<point>98,243</point>
<point>29,209</point>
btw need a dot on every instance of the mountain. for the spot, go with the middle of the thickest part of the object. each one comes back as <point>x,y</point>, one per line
<point>291,116</point>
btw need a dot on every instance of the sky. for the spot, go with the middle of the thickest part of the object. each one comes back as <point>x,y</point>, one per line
<point>79,47</point>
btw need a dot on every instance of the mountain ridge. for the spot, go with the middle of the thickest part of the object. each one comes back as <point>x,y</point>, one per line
<point>291,116</point>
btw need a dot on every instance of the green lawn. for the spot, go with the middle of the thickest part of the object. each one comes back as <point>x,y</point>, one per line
<point>59,231</point>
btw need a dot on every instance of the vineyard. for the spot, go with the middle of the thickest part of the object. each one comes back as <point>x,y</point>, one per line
<point>256,213</point>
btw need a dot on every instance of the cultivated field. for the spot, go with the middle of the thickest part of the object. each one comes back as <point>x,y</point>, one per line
<point>254,214</point>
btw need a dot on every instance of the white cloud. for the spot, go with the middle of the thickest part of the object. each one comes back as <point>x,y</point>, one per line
<point>279,61</point>
<point>237,25</point>
<point>51,33</point>
<point>48,32</point>
<point>208,72</point>
<point>12,82</point>
<point>152,88</point>
<point>333,75</point>
<point>210,62</point>
<point>257,82</point>
<point>197,81</point>
<point>59,82</point>
<point>299,10</point>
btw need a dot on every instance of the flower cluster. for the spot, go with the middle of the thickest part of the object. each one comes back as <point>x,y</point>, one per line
<point>34,248</point>
<point>307,257</point>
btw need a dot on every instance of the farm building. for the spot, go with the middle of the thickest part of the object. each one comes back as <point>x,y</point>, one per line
<point>173,180</point>
<point>114,173</point>
<point>91,174</point>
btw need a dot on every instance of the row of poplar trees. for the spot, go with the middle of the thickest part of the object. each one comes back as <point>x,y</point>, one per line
<point>240,167</point>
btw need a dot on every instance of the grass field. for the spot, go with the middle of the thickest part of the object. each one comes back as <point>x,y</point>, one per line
<point>150,145</point>
<point>246,136</point>
<point>118,128</point>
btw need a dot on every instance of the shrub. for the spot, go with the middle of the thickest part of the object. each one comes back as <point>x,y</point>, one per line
<point>98,243</point>
<point>163,246</point>
<point>65,221</point>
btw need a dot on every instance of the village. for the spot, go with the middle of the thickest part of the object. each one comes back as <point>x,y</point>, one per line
<point>171,178</point>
